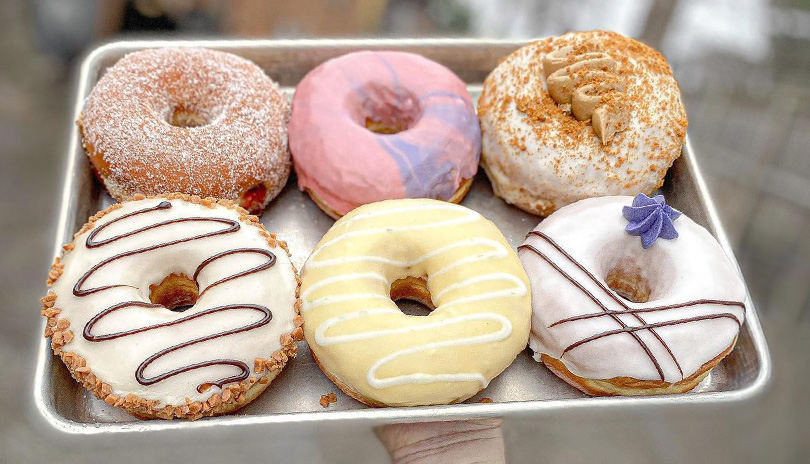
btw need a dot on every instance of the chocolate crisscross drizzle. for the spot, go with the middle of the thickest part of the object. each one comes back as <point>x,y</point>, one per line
<point>627,310</point>
<point>232,226</point>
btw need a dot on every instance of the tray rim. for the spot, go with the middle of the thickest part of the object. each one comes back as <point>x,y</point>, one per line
<point>373,416</point>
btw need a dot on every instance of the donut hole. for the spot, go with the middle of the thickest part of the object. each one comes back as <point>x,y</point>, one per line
<point>185,117</point>
<point>626,279</point>
<point>253,199</point>
<point>386,110</point>
<point>176,292</point>
<point>412,296</point>
<point>385,127</point>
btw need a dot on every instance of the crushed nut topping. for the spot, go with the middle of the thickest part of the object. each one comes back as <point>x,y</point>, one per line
<point>328,399</point>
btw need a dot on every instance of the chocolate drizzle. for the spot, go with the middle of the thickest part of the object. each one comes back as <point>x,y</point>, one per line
<point>232,226</point>
<point>245,370</point>
<point>270,262</point>
<point>613,314</point>
<point>78,291</point>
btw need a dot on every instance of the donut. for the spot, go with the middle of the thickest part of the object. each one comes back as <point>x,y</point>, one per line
<point>445,256</point>
<point>618,314</point>
<point>577,116</point>
<point>174,307</point>
<point>195,121</point>
<point>371,126</point>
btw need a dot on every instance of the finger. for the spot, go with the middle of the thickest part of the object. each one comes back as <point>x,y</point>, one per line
<point>471,441</point>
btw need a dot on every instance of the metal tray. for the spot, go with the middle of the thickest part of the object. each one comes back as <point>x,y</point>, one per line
<point>526,389</point>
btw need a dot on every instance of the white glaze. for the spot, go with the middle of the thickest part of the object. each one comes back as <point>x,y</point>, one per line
<point>473,282</point>
<point>691,267</point>
<point>115,361</point>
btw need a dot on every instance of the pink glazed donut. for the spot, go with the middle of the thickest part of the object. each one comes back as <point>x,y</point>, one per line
<point>371,126</point>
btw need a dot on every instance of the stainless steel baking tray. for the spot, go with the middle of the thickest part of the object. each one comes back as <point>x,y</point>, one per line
<point>525,389</point>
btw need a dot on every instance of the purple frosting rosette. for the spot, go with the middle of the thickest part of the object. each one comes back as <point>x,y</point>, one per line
<point>651,218</point>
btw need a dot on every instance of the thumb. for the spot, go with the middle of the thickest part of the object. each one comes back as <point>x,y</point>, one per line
<point>457,442</point>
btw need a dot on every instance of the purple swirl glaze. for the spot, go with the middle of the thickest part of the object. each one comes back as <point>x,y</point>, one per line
<point>346,164</point>
<point>651,218</point>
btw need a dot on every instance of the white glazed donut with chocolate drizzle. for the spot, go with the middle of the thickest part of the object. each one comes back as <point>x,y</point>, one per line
<point>581,115</point>
<point>174,306</point>
<point>619,314</point>
<point>446,256</point>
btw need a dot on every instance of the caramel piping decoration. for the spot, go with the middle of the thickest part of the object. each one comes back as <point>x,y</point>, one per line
<point>589,83</point>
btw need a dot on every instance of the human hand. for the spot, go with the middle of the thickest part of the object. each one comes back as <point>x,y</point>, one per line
<point>472,441</point>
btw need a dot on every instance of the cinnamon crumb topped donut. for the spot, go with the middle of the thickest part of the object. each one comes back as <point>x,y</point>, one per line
<point>174,307</point>
<point>196,121</point>
<point>581,115</point>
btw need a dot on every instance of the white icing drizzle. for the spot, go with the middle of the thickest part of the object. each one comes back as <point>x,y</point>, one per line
<point>469,216</point>
<point>518,290</point>
<point>498,251</point>
<point>418,377</point>
<point>473,289</point>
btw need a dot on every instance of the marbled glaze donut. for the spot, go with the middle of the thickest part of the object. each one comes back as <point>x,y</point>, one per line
<point>617,315</point>
<point>371,126</point>
<point>446,256</point>
<point>581,115</point>
<point>174,307</point>
<point>195,121</point>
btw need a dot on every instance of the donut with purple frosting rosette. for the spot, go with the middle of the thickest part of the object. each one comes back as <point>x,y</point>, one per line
<point>630,297</point>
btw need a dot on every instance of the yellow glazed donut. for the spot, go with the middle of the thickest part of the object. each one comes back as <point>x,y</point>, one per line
<point>444,255</point>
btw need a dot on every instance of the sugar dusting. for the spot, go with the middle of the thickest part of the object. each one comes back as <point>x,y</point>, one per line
<point>243,143</point>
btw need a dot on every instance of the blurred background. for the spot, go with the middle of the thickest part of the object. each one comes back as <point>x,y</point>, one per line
<point>744,70</point>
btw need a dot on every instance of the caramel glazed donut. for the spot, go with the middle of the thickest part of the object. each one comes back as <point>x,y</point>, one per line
<point>576,116</point>
<point>174,307</point>
<point>443,255</point>
<point>195,121</point>
<point>615,316</point>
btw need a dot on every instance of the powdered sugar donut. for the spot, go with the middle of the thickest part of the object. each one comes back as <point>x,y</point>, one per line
<point>194,121</point>
<point>576,116</point>
<point>174,307</point>
<point>615,314</point>
<point>371,126</point>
